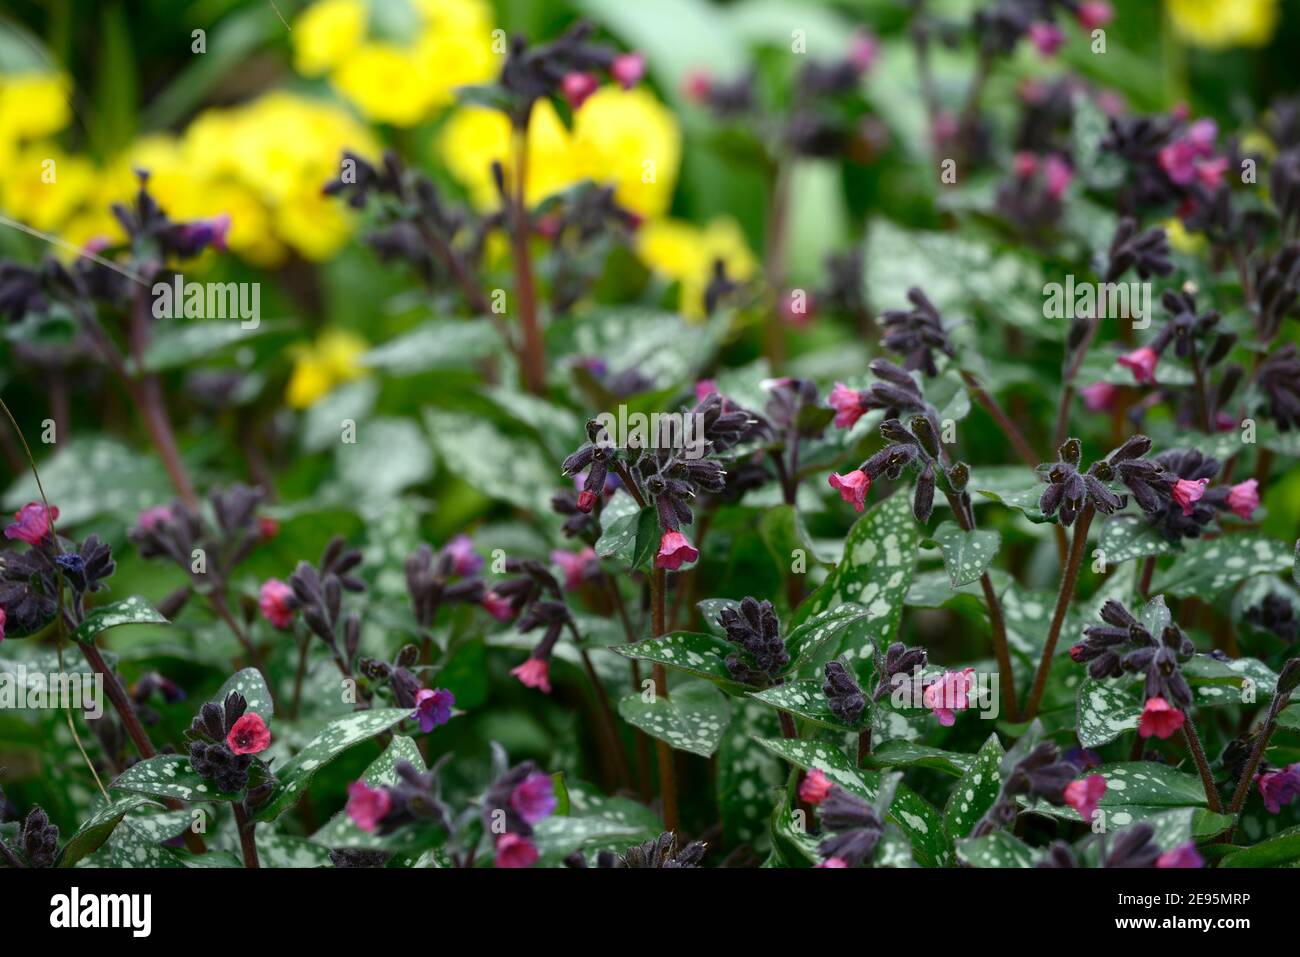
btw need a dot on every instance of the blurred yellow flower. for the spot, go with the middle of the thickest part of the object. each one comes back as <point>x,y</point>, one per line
<point>326,33</point>
<point>1181,239</point>
<point>686,254</point>
<point>32,105</point>
<point>323,365</point>
<point>1219,24</point>
<point>629,140</point>
<point>475,137</point>
<point>388,83</point>
<point>43,185</point>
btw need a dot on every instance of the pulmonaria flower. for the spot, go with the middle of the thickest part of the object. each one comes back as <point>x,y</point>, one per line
<point>534,797</point>
<point>833,863</point>
<point>1184,855</point>
<point>433,707</point>
<point>534,673</point>
<point>1243,499</point>
<point>499,607</point>
<point>1190,157</point>
<point>1187,494</point>
<point>32,523</point>
<point>1123,644</point>
<point>1279,787</point>
<point>1133,847</point>
<point>1130,248</point>
<point>949,694</point>
<point>367,806</point>
<point>277,603</point>
<point>1160,719</point>
<point>675,550</point>
<point>1046,37</point>
<point>575,565</point>
<point>754,627</point>
<point>848,405</point>
<point>1142,363</point>
<point>578,87</point>
<point>1085,795</point>
<point>852,487</point>
<point>1069,491</point>
<point>864,51</point>
<point>814,788</point>
<point>1099,397</point>
<point>855,828</point>
<point>38,839</point>
<point>697,86</point>
<point>267,527</point>
<point>843,694</point>
<point>3,619</point>
<point>249,735</point>
<point>916,333</point>
<point>465,561</point>
<point>151,518</point>
<point>1057,176</point>
<point>898,660</point>
<point>1092,14</point>
<point>627,69</point>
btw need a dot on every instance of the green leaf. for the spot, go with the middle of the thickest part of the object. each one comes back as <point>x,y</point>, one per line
<point>398,444</point>
<point>696,654</point>
<point>179,344</point>
<point>805,699</point>
<point>1281,849</point>
<point>1106,709</point>
<point>336,737</point>
<point>558,837</point>
<point>750,780</point>
<point>129,611</point>
<point>692,718</point>
<point>619,521</point>
<point>998,849</point>
<point>905,754</point>
<point>169,776</point>
<point>966,554</point>
<point>91,476</point>
<point>250,683</point>
<point>91,835</point>
<point>1022,500</point>
<point>1148,784</point>
<point>283,850</point>
<point>1124,537</point>
<point>438,344</point>
<point>806,642</point>
<point>510,468</point>
<point>1208,566</point>
<point>976,791</point>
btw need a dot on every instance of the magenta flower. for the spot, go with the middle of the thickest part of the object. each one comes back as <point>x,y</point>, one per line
<point>675,550</point>
<point>1159,719</point>
<point>945,127</point>
<point>515,850</point>
<point>249,735</point>
<point>628,69</point>
<point>577,87</point>
<point>277,603</point>
<point>1184,855</point>
<point>534,673</point>
<point>367,806</point>
<point>534,797</point>
<point>1183,160</point>
<point>498,607</point>
<point>1099,397</point>
<point>697,86</point>
<point>1057,175</point>
<point>1142,363</point>
<point>3,618</point>
<point>1279,787</point>
<point>464,560</point>
<point>32,523</point>
<point>949,694</point>
<point>1025,164</point>
<point>574,565</point>
<point>586,501</point>
<point>1046,37</point>
<point>853,487</point>
<point>1243,498</point>
<point>833,862</point>
<point>705,388</point>
<point>433,707</point>
<point>864,51</point>
<point>1085,795</point>
<point>847,404</point>
<point>814,787</point>
<point>1094,13</point>
<point>1187,493</point>
<point>151,517</point>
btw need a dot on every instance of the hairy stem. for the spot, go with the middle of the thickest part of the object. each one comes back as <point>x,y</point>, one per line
<point>1068,582</point>
<point>667,772</point>
<point>247,838</point>
<point>1202,765</point>
<point>534,356</point>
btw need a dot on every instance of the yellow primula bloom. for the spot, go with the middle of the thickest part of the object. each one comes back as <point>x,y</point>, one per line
<point>451,58</point>
<point>314,224</point>
<point>43,186</point>
<point>389,83</point>
<point>32,105</point>
<point>1219,24</point>
<point>324,365</point>
<point>686,254</point>
<point>629,140</point>
<point>326,33</point>
<point>1181,239</point>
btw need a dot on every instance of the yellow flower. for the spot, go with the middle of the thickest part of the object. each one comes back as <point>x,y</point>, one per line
<point>1181,239</point>
<point>326,33</point>
<point>388,83</point>
<point>1219,24</point>
<point>43,186</point>
<point>629,140</point>
<point>324,365</point>
<point>32,105</point>
<point>686,254</point>
<point>475,137</point>
<point>455,57</point>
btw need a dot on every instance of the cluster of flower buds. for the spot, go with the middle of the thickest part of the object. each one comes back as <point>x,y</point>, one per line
<point>150,684</point>
<point>1133,847</point>
<point>567,67</point>
<point>898,659</point>
<point>1276,615</point>
<point>916,333</point>
<point>663,851</point>
<point>318,594</point>
<point>1191,505</point>
<point>915,448</point>
<point>534,599</point>
<point>517,799</point>
<point>853,826</point>
<point>1031,199</point>
<point>1123,644</point>
<point>1172,162</point>
<point>580,224</point>
<point>37,841</point>
<point>223,740</point>
<point>148,226</point>
<point>1146,251</point>
<point>1278,381</point>
<point>1034,771</point>
<point>432,706</point>
<point>753,626</point>
<point>843,694</point>
<point>429,578</point>
<point>29,580</point>
<point>1070,491</point>
<point>417,796</point>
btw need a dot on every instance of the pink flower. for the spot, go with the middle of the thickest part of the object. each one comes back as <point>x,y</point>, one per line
<point>814,787</point>
<point>577,87</point>
<point>267,527</point>
<point>155,516</point>
<point>675,549</point>
<point>705,388</point>
<point>795,311</point>
<point>499,608</point>
<point>1099,397</point>
<point>32,523</point>
<point>1046,37</point>
<point>1243,498</point>
<point>853,487</point>
<point>945,127</point>
<point>433,707</point>
<point>534,797</point>
<point>1159,718</point>
<point>277,603</point>
<point>249,735</point>
<point>1184,855</point>
<point>864,51</point>
<point>574,565</point>
<point>534,673</point>
<point>1094,13</point>
<point>367,806</point>
<point>847,404</point>
<point>464,560</point>
<point>949,694</point>
<point>1279,787</point>
<point>1191,157</point>
<point>1187,493</point>
<point>1057,174</point>
<point>1210,172</point>
<point>3,618</point>
<point>515,850</point>
<point>628,69</point>
<point>1085,795</point>
<point>1142,363</point>
<point>1025,164</point>
<point>698,86</point>
<point>832,862</point>
<point>586,501</point>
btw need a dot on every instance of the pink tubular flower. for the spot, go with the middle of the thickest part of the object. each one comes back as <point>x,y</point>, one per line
<point>847,404</point>
<point>1187,493</point>
<point>577,87</point>
<point>1099,397</point>
<point>151,517</point>
<point>949,694</point>
<point>433,707</point>
<point>586,501</point>
<point>705,388</point>
<point>277,603</point>
<point>534,797</point>
<point>574,565</point>
<point>1057,174</point>
<point>464,560</point>
<point>798,312</point>
<point>1025,164</point>
<point>675,549</point>
<point>628,69</point>
<point>833,862</point>
<point>1142,363</point>
<point>1094,13</point>
<point>249,734</point>
<point>367,806</point>
<point>534,673</point>
<point>864,51</point>
<point>267,527</point>
<point>1210,172</point>
<point>1085,795</point>
<point>1191,157</point>
<point>498,607</point>
<point>1046,37</point>
<point>32,523</point>
<point>1243,498</point>
<point>1159,719</point>
<point>1184,855</point>
<point>1279,787</point>
<point>698,86</point>
<point>853,487</point>
<point>515,850</point>
<point>814,787</point>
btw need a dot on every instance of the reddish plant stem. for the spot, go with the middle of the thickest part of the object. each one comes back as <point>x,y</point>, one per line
<point>218,602</point>
<point>864,745</point>
<point>247,837</point>
<point>608,720</point>
<point>533,353</point>
<point>1068,582</point>
<point>1148,570</point>
<point>146,392</point>
<point>667,772</point>
<point>1202,765</point>
<point>1257,754</point>
<point>1008,427</point>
